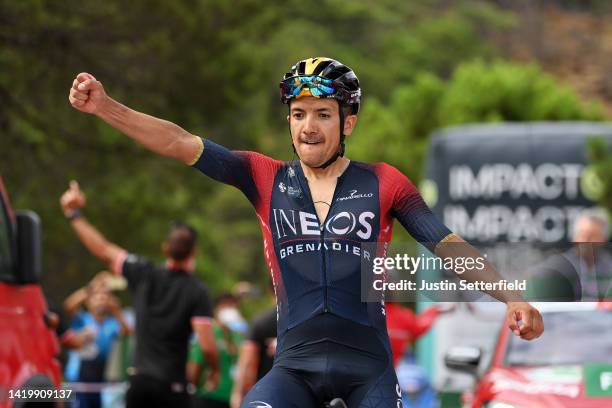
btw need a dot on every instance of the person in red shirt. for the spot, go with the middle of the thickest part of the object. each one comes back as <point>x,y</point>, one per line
<point>404,326</point>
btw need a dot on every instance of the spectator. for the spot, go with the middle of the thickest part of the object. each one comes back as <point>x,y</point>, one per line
<point>589,258</point>
<point>95,329</point>
<point>581,273</point>
<point>228,342</point>
<point>55,318</point>
<point>168,301</point>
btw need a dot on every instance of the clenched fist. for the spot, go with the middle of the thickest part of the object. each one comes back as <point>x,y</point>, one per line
<point>524,320</point>
<point>87,94</point>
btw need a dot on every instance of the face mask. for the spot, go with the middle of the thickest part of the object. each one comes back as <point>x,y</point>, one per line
<point>229,316</point>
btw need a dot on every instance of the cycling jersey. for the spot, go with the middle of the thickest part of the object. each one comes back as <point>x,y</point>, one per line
<point>316,266</point>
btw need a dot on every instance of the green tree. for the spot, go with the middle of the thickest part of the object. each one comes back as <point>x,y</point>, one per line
<point>213,67</point>
<point>600,156</point>
<point>477,92</point>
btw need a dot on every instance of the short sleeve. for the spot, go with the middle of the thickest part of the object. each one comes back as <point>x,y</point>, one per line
<point>135,269</point>
<point>409,208</point>
<point>202,303</point>
<point>246,171</point>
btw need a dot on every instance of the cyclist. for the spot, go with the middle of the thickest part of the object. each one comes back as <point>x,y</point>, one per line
<point>314,214</point>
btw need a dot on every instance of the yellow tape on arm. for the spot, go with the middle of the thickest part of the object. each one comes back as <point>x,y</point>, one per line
<point>199,152</point>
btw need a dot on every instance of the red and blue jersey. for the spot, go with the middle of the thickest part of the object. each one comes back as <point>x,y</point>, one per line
<point>316,265</point>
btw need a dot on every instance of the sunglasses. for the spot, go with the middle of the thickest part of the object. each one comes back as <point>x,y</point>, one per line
<point>312,85</point>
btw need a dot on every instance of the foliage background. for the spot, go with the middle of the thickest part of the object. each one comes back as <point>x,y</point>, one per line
<point>213,67</point>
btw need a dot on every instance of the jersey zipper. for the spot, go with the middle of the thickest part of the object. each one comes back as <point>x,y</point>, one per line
<point>325,305</point>
<point>322,229</point>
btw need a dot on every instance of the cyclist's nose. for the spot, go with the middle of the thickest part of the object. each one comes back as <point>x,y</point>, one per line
<point>310,125</point>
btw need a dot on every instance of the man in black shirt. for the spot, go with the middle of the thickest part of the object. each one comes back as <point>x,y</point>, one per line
<point>169,302</point>
<point>256,355</point>
<point>263,334</point>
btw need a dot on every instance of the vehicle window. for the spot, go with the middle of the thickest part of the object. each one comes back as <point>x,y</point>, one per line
<point>570,338</point>
<point>6,270</point>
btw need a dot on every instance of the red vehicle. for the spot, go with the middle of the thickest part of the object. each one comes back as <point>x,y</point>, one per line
<point>28,345</point>
<point>569,366</point>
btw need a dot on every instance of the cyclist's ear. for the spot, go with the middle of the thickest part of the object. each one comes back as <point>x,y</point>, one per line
<point>349,124</point>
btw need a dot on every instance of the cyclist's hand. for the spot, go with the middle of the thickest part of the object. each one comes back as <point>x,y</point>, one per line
<point>86,94</point>
<point>524,320</point>
<point>73,198</point>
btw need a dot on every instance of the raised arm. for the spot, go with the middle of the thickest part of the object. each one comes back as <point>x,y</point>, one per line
<point>73,303</point>
<point>72,201</point>
<point>243,170</point>
<point>160,136</point>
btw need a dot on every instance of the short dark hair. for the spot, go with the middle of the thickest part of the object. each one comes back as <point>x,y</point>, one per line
<point>225,297</point>
<point>181,240</point>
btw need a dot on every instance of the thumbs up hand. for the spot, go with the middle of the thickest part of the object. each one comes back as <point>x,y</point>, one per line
<point>73,198</point>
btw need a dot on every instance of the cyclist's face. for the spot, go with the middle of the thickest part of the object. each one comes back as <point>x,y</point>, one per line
<point>315,128</point>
